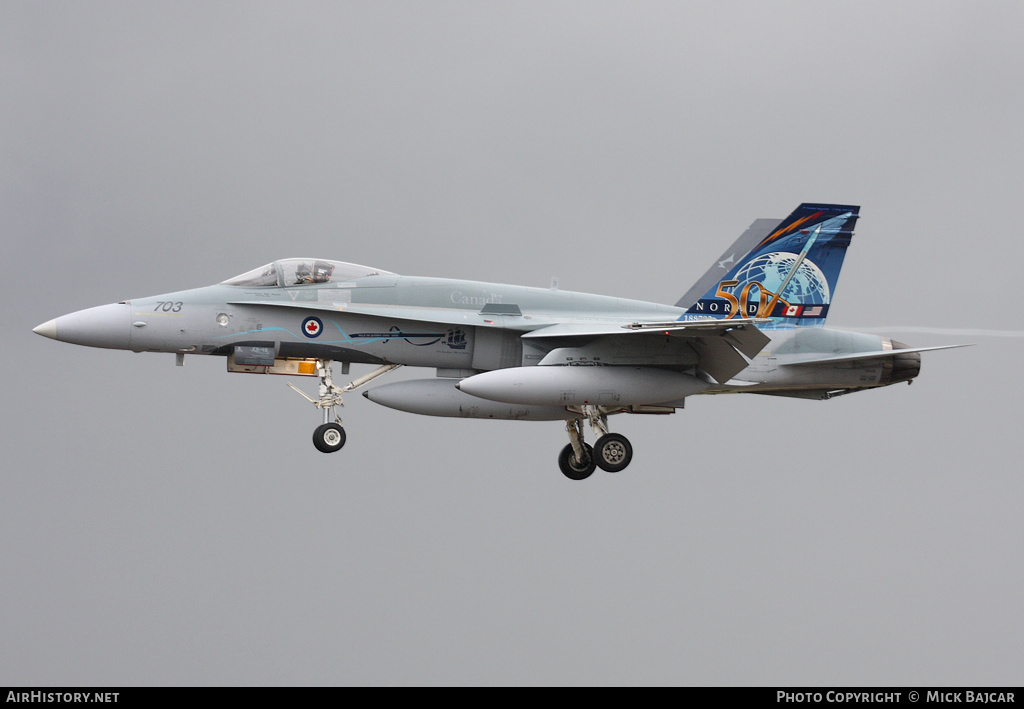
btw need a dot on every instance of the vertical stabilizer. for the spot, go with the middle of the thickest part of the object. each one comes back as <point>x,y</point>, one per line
<point>790,275</point>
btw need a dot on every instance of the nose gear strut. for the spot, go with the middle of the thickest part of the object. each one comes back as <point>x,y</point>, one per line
<point>330,436</point>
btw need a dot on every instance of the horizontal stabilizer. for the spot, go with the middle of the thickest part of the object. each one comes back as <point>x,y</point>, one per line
<point>834,359</point>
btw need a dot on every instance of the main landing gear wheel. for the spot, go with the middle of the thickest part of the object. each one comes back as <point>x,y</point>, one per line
<point>613,452</point>
<point>573,469</point>
<point>329,437</point>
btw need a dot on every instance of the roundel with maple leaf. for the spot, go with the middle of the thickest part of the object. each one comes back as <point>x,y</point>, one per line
<point>312,327</point>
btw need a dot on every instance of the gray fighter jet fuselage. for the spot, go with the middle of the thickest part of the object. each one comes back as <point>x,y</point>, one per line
<point>513,352</point>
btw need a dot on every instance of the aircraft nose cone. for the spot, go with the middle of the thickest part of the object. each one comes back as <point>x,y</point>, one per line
<point>103,326</point>
<point>47,329</point>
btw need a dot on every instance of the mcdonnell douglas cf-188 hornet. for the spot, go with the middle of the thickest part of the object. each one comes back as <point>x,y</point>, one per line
<point>754,323</point>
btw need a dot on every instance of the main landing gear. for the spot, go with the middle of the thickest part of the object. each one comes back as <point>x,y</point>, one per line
<point>611,451</point>
<point>330,436</point>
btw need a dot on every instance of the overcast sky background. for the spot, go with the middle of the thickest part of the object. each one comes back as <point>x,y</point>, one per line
<point>165,525</point>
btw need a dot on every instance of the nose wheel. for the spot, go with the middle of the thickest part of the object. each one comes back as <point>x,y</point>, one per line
<point>611,452</point>
<point>329,437</point>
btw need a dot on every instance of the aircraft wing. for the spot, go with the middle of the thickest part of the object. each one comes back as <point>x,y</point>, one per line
<point>713,345</point>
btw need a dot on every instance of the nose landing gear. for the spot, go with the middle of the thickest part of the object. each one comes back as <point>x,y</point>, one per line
<point>330,436</point>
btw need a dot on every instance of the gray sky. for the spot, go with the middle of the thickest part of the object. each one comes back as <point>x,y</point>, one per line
<point>167,525</point>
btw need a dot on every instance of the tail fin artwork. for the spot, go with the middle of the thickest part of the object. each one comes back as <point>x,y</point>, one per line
<point>790,275</point>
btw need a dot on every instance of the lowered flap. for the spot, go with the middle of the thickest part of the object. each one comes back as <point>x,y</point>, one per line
<point>748,340</point>
<point>718,358</point>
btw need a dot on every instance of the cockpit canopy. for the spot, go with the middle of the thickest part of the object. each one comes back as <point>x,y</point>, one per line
<point>302,271</point>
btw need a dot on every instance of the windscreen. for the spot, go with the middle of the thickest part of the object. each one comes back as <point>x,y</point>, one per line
<point>302,271</point>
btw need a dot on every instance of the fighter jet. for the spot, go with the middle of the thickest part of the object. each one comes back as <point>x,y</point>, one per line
<point>754,323</point>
